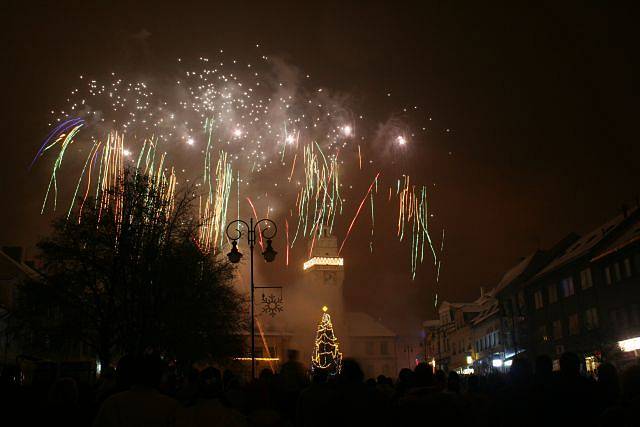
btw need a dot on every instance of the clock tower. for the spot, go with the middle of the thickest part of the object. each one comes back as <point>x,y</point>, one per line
<point>324,274</point>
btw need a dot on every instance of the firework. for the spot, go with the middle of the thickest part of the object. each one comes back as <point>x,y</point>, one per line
<point>236,123</point>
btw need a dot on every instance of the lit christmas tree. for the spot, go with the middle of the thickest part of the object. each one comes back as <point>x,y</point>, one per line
<point>326,355</point>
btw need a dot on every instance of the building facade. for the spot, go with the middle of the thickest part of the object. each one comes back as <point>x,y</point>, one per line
<point>587,300</point>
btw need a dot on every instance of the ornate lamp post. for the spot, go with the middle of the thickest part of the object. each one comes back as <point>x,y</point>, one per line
<point>235,255</point>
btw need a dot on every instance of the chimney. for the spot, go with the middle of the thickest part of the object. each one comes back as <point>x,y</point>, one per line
<point>14,252</point>
<point>625,210</point>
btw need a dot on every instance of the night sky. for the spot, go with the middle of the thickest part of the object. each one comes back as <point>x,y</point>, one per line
<point>541,103</point>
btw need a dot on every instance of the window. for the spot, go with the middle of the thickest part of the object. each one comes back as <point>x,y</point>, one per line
<point>384,348</point>
<point>634,317</point>
<point>521,300</point>
<point>607,275</point>
<point>618,318</point>
<point>586,281</point>
<point>557,329</point>
<point>553,294</point>
<point>567,287</point>
<point>542,333</point>
<point>537,299</point>
<point>616,272</point>
<point>369,347</point>
<point>591,318</point>
<point>574,326</point>
<point>627,267</point>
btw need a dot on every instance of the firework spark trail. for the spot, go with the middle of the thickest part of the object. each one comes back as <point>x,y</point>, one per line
<point>358,213</point>
<point>286,229</point>
<point>319,199</point>
<point>214,213</point>
<point>413,211</point>
<point>255,215</point>
<point>230,115</point>
<point>56,132</point>
<point>65,140</point>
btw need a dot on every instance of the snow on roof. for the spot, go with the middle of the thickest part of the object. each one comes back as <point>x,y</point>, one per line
<point>362,325</point>
<point>583,245</point>
<point>515,272</point>
<point>631,235</point>
<point>489,309</point>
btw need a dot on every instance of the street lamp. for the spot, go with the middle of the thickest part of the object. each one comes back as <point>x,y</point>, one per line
<point>235,255</point>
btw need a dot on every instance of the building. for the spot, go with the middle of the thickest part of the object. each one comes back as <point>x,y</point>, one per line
<point>587,299</point>
<point>489,351</point>
<point>581,295</point>
<point>13,271</point>
<point>360,336</point>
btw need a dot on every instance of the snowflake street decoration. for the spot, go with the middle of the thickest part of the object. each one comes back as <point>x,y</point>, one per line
<point>271,304</point>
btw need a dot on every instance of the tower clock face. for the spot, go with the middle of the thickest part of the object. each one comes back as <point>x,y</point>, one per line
<point>330,277</point>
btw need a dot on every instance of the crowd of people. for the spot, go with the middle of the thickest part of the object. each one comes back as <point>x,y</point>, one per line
<point>139,393</point>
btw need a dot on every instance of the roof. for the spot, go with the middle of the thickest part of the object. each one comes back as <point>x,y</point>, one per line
<point>628,237</point>
<point>514,273</point>
<point>490,308</point>
<point>432,323</point>
<point>12,269</point>
<point>362,325</point>
<point>584,245</point>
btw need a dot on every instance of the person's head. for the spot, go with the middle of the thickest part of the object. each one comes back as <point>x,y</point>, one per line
<point>292,355</point>
<point>406,378</point>
<point>319,376</point>
<point>631,382</point>
<point>147,370</point>
<point>210,383</point>
<point>124,372</point>
<point>607,373</point>
<point>266,375</point>
<point>381,379</point>
<point>520,371</point>
<point>473,382</point>
<point>453,383</point>
<point>423,375</point>
<point>544,366</point>
<point>440,379</point>
<point>351,372</point>
<point>370,382</point>
<point>108,374</point>
<point>570,364</point>
<point>63,392</point>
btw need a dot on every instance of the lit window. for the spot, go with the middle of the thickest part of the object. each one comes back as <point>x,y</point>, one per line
<point>607,275</point>
<point>574,326</point>
<point>616,272</point>
<point>384,348</point>
<point>557,329</point>
<point>537,299</point>
<point>542,333</point>
<point>521,299</point>
<point>627,267</point>
<point>632,344</point>
<point>586,280</point>
<point>591,318</point>
<point>553,294</point>
<point>567,287</point>
<point>591,363</point>
<point>369,347</point>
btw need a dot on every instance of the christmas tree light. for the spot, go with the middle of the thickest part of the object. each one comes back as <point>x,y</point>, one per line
<point>326,355</point>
